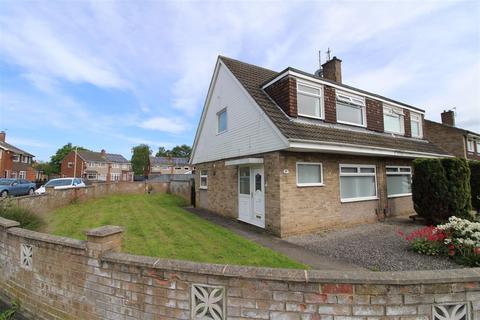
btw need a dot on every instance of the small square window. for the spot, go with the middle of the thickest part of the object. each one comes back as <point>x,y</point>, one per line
<point>309,174</point>
<point>222,121</point>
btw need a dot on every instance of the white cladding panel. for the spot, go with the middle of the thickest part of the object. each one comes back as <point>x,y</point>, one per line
<point>249,131</point>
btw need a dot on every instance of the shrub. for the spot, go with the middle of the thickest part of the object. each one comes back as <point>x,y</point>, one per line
<point>427,241</point>
<point>441,189</point>
<point>10,312</point>
<point>25,217</point>
<point>458,197</point>
<point>475,183</point>
<point>429,189</point>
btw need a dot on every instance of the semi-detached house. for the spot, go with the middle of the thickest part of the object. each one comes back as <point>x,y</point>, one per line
<point>294,152</point>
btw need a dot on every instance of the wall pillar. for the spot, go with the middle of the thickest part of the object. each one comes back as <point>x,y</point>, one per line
<point>382,210</point>
<point>103,239</point>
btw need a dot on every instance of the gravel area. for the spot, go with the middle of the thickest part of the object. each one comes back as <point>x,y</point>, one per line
<point>376,246</point>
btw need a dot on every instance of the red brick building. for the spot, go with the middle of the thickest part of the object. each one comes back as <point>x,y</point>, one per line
<point>14,162</point>
<point>457,141</point>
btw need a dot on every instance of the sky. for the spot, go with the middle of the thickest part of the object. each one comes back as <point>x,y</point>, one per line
<point>111,75</point>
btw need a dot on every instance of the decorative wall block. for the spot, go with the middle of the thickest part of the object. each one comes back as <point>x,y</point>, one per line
<point>453,311</point>
<point>26,256</point>
<point>208,302</point>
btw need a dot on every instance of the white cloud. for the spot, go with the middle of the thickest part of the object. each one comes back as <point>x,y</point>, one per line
<point>170,125</point>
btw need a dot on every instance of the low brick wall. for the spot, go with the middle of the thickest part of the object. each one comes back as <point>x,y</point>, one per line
<point>61,278</point>
<point>54,199</point>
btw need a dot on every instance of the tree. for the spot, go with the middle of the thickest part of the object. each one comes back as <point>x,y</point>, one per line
<point>182,151</point>
<point>57,158</point>
<point>162,152</point>
<point>45,167</point>
<point>140,159</point>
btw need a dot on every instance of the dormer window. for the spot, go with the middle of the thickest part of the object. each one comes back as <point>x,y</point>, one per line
<point>393,120</point>
<point>350,109</point>
<point>416,125</point>
<point>309,100</point>
<point>222,121</point>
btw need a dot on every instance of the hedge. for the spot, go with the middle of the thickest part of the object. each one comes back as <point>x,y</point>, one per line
<point>441,189</point>
<point>475,183</point>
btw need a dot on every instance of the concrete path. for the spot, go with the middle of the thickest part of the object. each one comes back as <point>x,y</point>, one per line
<point>293,251</point>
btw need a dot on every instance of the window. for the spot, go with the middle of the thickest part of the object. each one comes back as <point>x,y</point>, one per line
<point>70,164</point>
<point>309,174</point>
<point>22,175</point>
<point>222,121</point>
<point>416,125</point>
<point>478,146</point>
<point>470,146</point>
<point>91,164</point>
<point>115,176</point>
<point>91,176</point>
<point>244,181</point>
<point>16,158</point>
<point>350,109</point>
<point>203,179</point>
<point>24,159</point>
<point>393,120</point>
<point>357,182</point>
<point>399,181</point>
<point>309,102</point>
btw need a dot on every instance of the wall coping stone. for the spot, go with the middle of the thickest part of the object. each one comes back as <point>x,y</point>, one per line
<point>104,231</point>
<point>296,275</point>
<point>6,223</point>
<point>63,241</point>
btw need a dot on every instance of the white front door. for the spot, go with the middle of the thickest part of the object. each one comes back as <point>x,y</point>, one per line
<point>251,195</point>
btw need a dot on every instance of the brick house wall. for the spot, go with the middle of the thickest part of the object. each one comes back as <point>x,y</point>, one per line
<point>67,171</point>
<point>374,115</point>
<point>284,93</point>
<point>330,104</point>
<point>6,162</point>
<point>290,209</point>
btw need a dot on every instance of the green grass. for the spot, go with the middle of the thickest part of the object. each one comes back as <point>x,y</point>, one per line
<point>156,225</point>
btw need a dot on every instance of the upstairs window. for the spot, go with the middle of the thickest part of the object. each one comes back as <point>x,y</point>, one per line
<point>350,109</point>
<point>478,146</point>
<point>470,146</point>
<point>393,120</point>
<point>16,158</point>
<point>222,121</point>
<point>416,125</point>
<point>309,100</point>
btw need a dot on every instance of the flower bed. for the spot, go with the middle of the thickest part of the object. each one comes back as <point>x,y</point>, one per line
<point>458,238</point>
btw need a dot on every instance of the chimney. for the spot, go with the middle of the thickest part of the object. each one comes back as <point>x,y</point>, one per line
<point>448,118</point>
<point>103,152</point>
<point>2,136</point>
<point>332,70</point>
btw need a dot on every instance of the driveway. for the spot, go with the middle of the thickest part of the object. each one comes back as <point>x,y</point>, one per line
<point>376,246</point>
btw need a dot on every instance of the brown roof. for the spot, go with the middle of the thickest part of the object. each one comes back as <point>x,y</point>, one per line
<point>253,77</point>
<point>8,146</point>
<point>92,156</point>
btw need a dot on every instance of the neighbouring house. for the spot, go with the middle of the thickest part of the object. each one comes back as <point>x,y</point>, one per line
<point>293,152</point>
<point>457,141</point>
<point>96,166</point>
<point>14,162</point>
<point>168,165</point>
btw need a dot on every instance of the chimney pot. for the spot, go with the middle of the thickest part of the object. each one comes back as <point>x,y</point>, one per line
<point>448,118</point>
<point>332,70</point>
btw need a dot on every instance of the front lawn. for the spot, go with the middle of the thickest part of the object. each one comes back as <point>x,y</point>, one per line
<point>156,225</point>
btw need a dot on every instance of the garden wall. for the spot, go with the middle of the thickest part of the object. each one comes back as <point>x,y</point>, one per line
<point>54,199</point>
<point>61,278</point>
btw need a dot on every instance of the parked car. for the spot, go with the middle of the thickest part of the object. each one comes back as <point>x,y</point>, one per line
<point>61,183</point>
<point>15,187</point>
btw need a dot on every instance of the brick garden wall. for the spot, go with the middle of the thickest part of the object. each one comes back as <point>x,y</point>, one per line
<point>54,199</point>
<point>71,279</point>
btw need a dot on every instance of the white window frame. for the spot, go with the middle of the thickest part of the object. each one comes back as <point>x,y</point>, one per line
<point>391,110</point>
<point>115,176</point>
<point>204,174</point>
<point>416,117</point>
<point>24,159</point>
<point>321,108</point>
<point>315,184</point>
<point>92,176</point>
<point>478,146</point>
<point>224,110</point>
<point>358,174</point>
<point>470,145</point>
<point>22,175</point>
<point>355,101</point>
<point>398,173</point>
<point>16,158</point>
<point>70,164</point>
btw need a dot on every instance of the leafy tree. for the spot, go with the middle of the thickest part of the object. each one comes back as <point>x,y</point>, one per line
<point>459,193</point>
<point>162,152</point>
<point>46,167</point>
<point>140,158</point>
<point>182,151</point>
<point>57,158</point>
